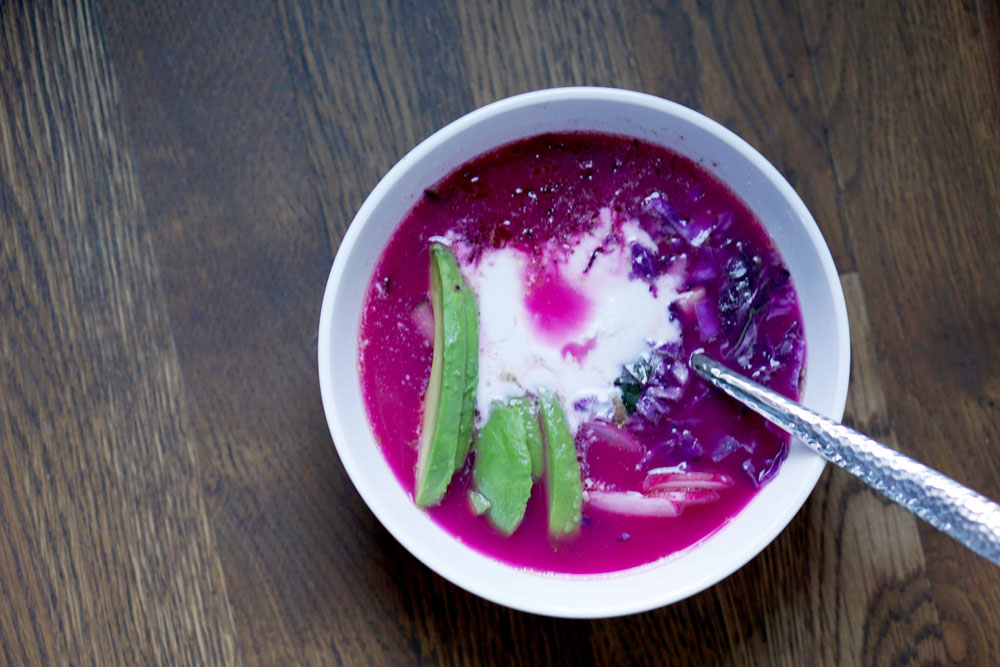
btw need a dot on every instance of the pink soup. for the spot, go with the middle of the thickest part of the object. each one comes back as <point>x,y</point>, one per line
<point>731,297</point>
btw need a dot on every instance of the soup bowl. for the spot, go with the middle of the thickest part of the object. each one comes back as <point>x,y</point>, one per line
<point>723,154</point>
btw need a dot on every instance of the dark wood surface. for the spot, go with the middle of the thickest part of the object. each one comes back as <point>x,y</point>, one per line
<point>175,179</point>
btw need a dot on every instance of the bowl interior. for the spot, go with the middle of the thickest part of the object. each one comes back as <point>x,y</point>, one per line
<point>652,119</point>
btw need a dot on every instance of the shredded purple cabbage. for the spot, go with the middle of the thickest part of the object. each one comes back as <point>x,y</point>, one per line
<point>660,206</point>
<point>644,264</point>
<point>681,447</point>
<point>728,445</point>
<point>731,294</point>
<point>693,231</point>
<point>708,319</point>
<point>743,292</point>
<point>672,350</point>
<point>654,403</point>
<point>763,472</point>
<point>654,383</point>
<point>706,269</point>
<point>791,346</point>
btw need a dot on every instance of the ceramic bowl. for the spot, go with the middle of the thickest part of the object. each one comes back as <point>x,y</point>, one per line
<point>621,112</point>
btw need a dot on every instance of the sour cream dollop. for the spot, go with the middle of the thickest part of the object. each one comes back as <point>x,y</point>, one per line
<point>566,317</point>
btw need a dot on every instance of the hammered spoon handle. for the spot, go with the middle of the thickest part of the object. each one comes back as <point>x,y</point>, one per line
<point>970,518</point>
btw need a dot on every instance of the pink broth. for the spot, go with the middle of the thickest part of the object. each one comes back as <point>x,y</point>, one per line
<point>743,312</point>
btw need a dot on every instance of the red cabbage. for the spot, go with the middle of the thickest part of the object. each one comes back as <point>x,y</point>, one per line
<point>708,319</point>
<point>724,219</point>
<point>660,207</point>
<point>644,264</point>
<point>742,352</point>
<point>653,383</point>
<point>790,350</point>
<point>706,269</point>
<point>694,231</point>
<point>791,346</point>
<point>679,447</point>
<point>728,445</point>
<point>671,350</point>
<point>768,468</point>
<point>652,406</point>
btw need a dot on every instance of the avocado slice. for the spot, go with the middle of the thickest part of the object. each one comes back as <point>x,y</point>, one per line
<point>471,375</point>
<point>502,469</point>
<point>562,471</point>
<point>528,410</point>
<point>478,502</point>
<point>443,403</point>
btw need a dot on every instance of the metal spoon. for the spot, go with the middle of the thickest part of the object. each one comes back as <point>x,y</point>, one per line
<point>957,510</point>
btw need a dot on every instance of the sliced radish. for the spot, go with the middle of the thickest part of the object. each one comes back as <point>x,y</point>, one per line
<point>667,479</point>
<point>686,497</point>
<point>632,503</point>
<point>600,431</point>
<point>610,454</point>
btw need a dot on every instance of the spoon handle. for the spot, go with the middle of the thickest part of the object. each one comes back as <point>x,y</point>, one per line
<point>952,508</point>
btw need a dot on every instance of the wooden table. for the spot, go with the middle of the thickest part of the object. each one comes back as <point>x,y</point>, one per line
<point>175,179</point>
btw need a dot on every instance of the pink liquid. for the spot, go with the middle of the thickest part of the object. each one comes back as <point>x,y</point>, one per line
<point>551,187</point>
<point>556,309</point>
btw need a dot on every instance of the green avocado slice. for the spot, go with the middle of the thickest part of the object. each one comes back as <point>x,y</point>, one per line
<point>502,469</point>
<point>528,410</point>
<point>562,471</point>
<point>471,375</point>
<point>443,403</point>
<point>478,502</point>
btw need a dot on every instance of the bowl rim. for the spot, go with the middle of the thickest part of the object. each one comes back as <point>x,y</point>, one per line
<point>370,495</point>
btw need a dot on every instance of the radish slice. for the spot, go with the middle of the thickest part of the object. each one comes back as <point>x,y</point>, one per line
<point>423,319</point>
<point>686,497</point>
<point>666,479</point>
<point>611,455</point>
<point>632,503</point>
<point>598,431</point>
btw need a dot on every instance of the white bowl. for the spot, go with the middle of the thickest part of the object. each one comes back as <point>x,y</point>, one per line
<point>620,112</point>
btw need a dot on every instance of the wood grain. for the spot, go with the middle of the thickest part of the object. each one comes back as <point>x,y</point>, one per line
<point>359,115</point>
<point>243,255</point>
<point>175,179</point>
<point>106,553</point>
<point>872,549</point>
<point>748,66</point>
<point>915,157</point>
